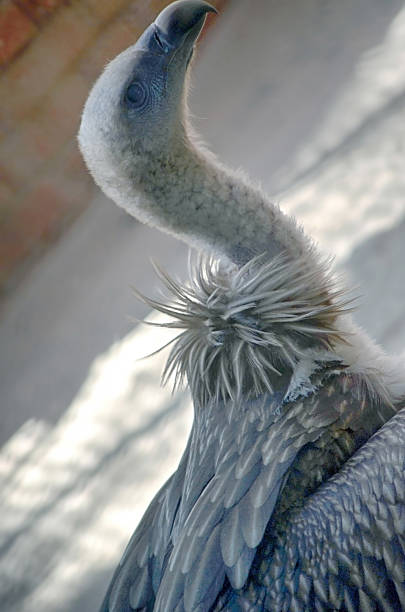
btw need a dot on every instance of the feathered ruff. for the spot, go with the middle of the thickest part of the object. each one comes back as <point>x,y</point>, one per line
<point>243,328</point>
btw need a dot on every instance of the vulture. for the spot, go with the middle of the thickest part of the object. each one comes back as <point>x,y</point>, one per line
<point>290,494</point>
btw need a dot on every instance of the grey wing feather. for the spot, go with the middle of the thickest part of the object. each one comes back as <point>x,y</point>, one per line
<point>346,545</point>
<point>237,503</point>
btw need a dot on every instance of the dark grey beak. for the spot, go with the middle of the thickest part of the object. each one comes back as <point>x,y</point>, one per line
<point>180,20</point>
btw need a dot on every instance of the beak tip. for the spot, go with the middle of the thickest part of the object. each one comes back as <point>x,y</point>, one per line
<point>182,15</point>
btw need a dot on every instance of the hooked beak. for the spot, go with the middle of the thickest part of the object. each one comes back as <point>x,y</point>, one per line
<point>180,21</point>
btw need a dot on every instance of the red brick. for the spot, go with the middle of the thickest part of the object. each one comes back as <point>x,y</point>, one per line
<point>16,30</point>
<point>41,211</point>
<point>39,219</point>
<point>64,106</point>
<point>113,39</point>
<point>106,9</point>
<point>141,14</point>
<point>157,6</point>
<point>6,197</point>
<point>39,10</point>
<point>75,166</point>
<point>25,151</point>
<point>73,175</point>
<point>34,73</point>
<point>70,176</point>
<point>5,179</point>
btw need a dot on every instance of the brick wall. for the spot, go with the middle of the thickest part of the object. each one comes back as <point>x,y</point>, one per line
<point>51,51</point>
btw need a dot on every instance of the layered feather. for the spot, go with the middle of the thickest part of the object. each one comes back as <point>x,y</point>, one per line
<point>242,329</point>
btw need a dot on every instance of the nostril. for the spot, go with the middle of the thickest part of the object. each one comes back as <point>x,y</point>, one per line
<point>160,43</point>
<point>157,39</point>
<point>190,56</point>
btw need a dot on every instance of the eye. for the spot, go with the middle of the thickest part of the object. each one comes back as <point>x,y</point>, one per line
<point>136,95</point>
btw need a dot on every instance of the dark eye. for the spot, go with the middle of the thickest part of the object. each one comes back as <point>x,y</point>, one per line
<point>136,94</point>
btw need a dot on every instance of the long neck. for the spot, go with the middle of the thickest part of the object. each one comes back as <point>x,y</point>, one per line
<point>190,194</point>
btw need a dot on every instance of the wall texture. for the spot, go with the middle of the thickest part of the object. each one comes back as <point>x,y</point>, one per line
<point>50,53</point>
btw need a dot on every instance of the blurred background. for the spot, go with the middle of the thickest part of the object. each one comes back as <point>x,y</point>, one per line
<point>308,98</point>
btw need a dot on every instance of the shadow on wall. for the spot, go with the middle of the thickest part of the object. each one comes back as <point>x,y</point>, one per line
<point>75,304</point>
<point>71,495</point>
